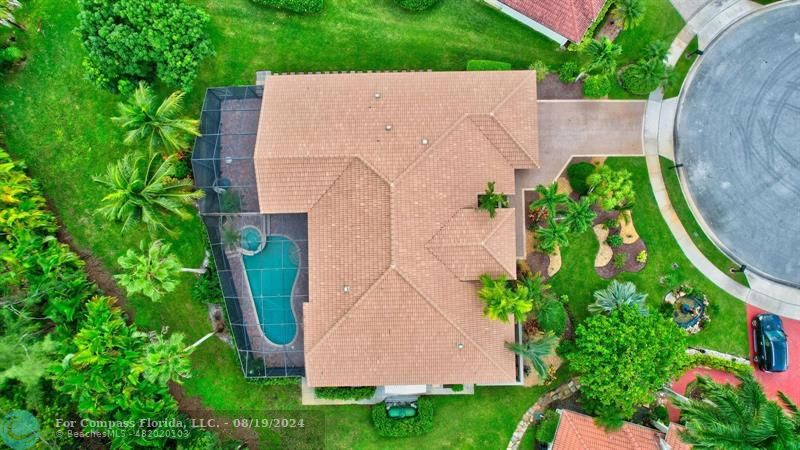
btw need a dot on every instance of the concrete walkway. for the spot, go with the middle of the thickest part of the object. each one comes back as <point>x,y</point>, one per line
<point>707,22</point>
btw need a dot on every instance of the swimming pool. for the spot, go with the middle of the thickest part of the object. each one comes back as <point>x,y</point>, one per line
<point>271,274</point>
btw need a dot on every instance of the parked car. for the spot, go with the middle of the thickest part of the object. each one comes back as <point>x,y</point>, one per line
<point>769,342</point>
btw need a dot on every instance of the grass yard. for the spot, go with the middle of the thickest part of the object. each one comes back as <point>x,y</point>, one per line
<point>682,69</point>
<point>727,331</point>
<point>59,123</point>
<point>699,237</point>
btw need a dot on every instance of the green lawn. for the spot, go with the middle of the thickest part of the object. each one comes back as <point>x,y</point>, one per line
<point>682,69</point>
<point>59,123</point>
<point>699,238</point>
<point>727,330</point>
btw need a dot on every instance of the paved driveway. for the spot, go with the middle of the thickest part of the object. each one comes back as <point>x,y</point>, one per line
<point>787,382</point>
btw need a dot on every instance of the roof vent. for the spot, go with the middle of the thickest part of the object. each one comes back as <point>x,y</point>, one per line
<point>389,127</point>
<point>460,346</point>
<point>228,160</point>
<point>377,95</point>
<point>346,289</point>
<point>424,141</point>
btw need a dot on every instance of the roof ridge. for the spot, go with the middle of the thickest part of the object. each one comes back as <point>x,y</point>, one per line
<point>338,177</point>
<point>333,327</point>
<point>500,223</point>
<point>431,147</point>
<point>535,161</point>
<point>448,319</point>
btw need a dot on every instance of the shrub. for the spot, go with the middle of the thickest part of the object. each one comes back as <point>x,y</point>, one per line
<point>457,387</point>
<point>645,76</point>
<point>486,64</point>
<point>345,393</point>
<point>661,414</point>
<point>546,429</point>
<point>139,40</point>
<point>298,6</point>
<point>416,5</point>
<point>614,240</point>
<point>541,69</point>
<point>206,289</point>
<point>596,86</point>
<point>642,256</point>
<point>11,55</point>
<point>411,426</point>
<point>552,317</point>
<point>577,174</point>
<point>569,71</point>
<point>619,260</point>
<point>276,381</point>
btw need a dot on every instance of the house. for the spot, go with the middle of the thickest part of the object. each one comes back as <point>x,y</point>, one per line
<point>578,432</point>
<point>369,183</point>
<point>560,20</point>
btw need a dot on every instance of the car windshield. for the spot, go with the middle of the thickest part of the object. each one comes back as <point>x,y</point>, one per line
<point>775,335</point>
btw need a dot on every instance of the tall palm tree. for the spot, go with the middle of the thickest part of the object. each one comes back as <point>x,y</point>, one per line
<point>657,49</point>
<point>7,18</point>
<point>630,12</point>
<point>579,215</point>
<point>740,417</point>
<point>491,200</point>
<point>535,351</point>
<point>501,301</point>
<point>646,76</point>
<point>549,199</point>
<point>602,55</point>
<point>616,295</point>
<point>151,271</point>
<point>554,235</point>
<point>155,124</point>
<point>144,191</point>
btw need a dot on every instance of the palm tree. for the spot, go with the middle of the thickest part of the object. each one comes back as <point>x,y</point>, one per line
<point>534,288</point>
<point>657,49</point>
<point>630,12</point>
<point>602,55</point>
<point>165,360</point>
<point>645,76</point>
<point>616,295</point>
<point>7,18</point>
<point>738,417</point>
<point>156,125</point>
<point>150,272</point>
<point>143,190</point>
<point>535,351</point>
<point>549,199</point>
<point>492,200</point>
<point>580,215</point>
<point>501,301</point>
<point>553,236</point>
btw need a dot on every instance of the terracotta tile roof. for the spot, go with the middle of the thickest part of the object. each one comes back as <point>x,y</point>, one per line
<point>579,432</point>
<point>383,309</point>
<point>569,18</point>
<point>472,244</point>
<point>674,438</point>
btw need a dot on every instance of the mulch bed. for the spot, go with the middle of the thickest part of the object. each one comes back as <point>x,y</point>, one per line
<point>631,265</point>
<point>539,262</point>
<point>551,88</point>
<point>610,29</point>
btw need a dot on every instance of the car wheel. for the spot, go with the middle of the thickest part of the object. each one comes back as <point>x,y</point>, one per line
<point>753,322</point>
<point>756,359</point>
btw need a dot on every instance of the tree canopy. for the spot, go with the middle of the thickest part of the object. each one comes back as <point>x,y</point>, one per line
<point>623,358</point>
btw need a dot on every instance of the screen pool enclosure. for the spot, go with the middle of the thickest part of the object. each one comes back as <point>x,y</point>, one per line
<point>261,259</point>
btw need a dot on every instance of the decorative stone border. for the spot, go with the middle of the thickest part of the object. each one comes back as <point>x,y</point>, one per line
<point>564,391</point>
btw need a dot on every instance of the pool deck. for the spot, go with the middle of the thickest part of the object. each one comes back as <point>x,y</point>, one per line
<point>293,227</point>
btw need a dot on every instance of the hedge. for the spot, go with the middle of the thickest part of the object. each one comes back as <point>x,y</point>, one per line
<point>412,426</point>
<point>547,427</point>
<point>345,393</point>
<point>732,367</point>
<point>298,6</point>
<point>596,86</point>
<point>577,175</point>
<point>416,5</point>
<point>487,64</point>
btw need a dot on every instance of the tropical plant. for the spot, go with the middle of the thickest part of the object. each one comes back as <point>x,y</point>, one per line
<point>602,55</point>
<point>164,360</point>
<point>657,49</point>
<point>568,72</point>
<point>611,189</point>
<point>151,272</point>
<point>642,256</point>
<point>629,12</point>
<point>541,68</point>
<point>157,125</point>
<point>491,200</point>
<point>597,86</point>
<point>623,358</point>
<point>552,317</point>
<point>535,350</point>
<point>617,295</point>
<point>22,206</point>
<point>645,76</point>
<point>580,215</point>
<point>619,260</point>
<point>738,417</point>
<point>614,240</point>
<point>549,199</point>
<point>534,288</point>
<point>128,41</point>
<point>553,236</point>
<point>501,301</point>
<point>231,236</point>
<point>143,190</point>
<point>7,19</point>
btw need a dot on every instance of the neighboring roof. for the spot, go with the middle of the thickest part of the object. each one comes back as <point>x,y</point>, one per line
<point>674,438</point>
<point>387,207</point>
<point>579,432</point>
<point>569,18</point>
